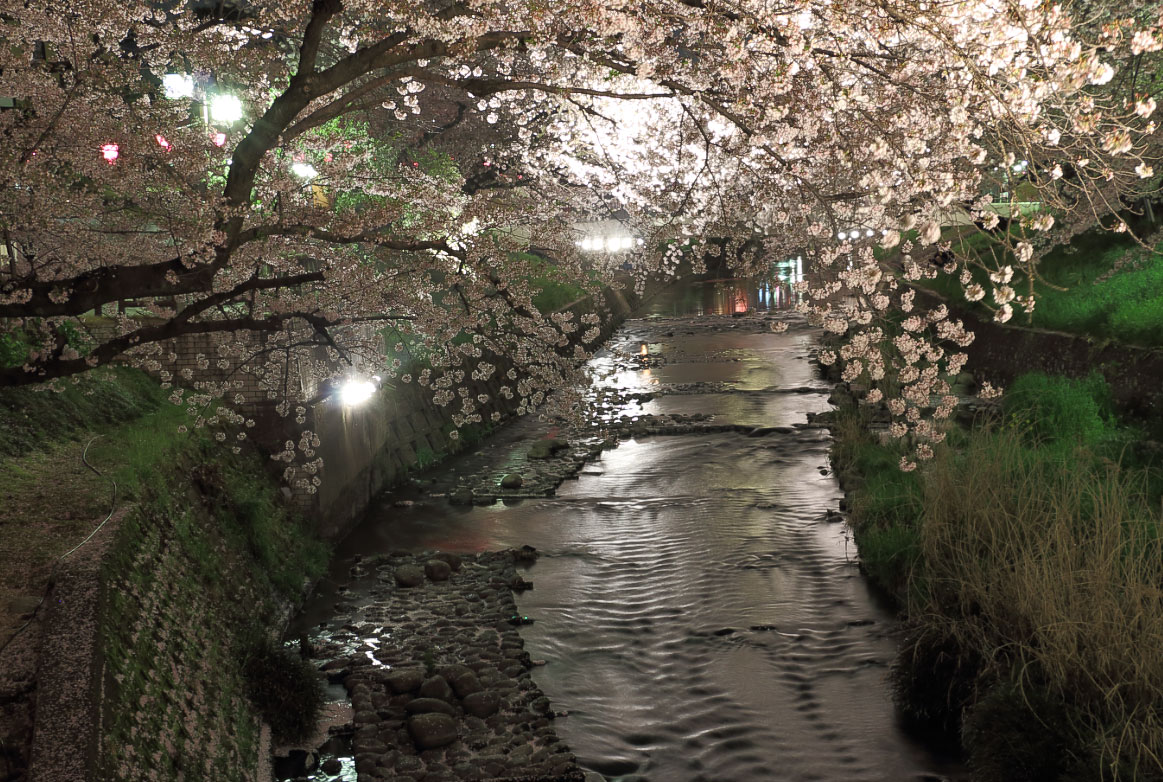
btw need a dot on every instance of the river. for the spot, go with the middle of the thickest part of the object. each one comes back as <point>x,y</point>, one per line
<point>698,602</point>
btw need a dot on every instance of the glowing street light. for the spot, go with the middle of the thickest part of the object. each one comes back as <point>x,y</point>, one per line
<point>225,108</point>
<point>609,244</point>
<point>355,391</point>
<point>304,170</point>
<point>178,85</point>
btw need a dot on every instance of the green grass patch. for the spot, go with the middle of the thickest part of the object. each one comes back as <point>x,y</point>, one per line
<point>1101,284</point>
<point>206,557</point>
<point>1123,304</point>
<point>32,417</point>
<point>886,503</point>
<point>1058,410</point>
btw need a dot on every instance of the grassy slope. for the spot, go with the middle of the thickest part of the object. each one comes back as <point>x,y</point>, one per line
<point>201,569</point>
<point>49,500</point>
<point>1030,563</point>
<point>203,561</point>
<point>1126,305</point>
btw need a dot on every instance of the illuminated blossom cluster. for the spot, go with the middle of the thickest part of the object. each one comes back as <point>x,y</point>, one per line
<point>376,186</point>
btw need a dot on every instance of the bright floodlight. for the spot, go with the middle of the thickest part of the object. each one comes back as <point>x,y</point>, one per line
<point>355,391</point>
<point>178,85</point>
<point>304,170</point>
<point>841,235</point>
<point>225,108</point>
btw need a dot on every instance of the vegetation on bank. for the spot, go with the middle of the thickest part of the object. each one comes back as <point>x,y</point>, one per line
<point>1102,284</point>
<point>1029,557</point>
<point>201,570</point>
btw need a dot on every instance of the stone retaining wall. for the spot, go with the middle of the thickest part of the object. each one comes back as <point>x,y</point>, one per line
<point>369,448</point>
<point>1001,352</point>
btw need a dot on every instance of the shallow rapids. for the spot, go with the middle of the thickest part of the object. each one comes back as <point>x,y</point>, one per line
<point>700,611</point>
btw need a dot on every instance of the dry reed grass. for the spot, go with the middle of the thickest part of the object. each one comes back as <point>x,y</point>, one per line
<point>1048,563</point>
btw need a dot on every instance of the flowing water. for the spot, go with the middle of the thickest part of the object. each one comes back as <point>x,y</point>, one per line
<point>700,612</point>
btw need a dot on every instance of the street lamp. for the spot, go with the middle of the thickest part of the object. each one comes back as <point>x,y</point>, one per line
<point>178,85</point>
<point>355,391</point>
<point>225,108</point>
<point>304,171</point>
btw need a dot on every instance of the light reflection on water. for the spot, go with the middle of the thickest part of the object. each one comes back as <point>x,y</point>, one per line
<point>723,297</point>
<point>700,619</point>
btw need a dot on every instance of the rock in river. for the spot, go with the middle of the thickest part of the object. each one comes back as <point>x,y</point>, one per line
<point>429,706</point>
<point>436,687</point>
<point>409,576</point>
<point>405,680</point>
<point>465,683</point>
<point>437,569</point>
<point>482,704</point>
<point>433,730</point>
<point>453,560</point>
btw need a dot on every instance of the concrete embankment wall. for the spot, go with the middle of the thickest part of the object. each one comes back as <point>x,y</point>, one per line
<point>145,628</point>
<point>369,448</point>
<point>1001,352</point>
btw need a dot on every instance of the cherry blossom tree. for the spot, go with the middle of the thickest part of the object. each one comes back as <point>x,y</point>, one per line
<point>393,158</point>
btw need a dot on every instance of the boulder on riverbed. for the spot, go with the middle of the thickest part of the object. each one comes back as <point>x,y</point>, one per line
<point>465,683</point>
<point>409,576</point>
<point>436,687</point>
<point>512,481</point>
<point>546,448</point>
<point>453,560</point>
<point>429,706</point>
<point>405,680</point>
<point>437,570</point>
<point>432,730</point>
<point>482,704</point>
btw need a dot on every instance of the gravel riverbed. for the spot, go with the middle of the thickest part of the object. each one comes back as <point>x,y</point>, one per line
<point>438,676</point>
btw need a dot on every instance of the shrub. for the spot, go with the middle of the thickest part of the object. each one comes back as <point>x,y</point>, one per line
<point>1055,409</point>
<point>1021,733</point>
<point>285,688</point>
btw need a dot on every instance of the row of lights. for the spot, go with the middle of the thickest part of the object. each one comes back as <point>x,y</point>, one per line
<point>854,234</point>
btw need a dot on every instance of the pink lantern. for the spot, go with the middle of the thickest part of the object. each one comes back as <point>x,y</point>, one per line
<point>163,143</point>
<point>219,139</point>
<point>110,152</point>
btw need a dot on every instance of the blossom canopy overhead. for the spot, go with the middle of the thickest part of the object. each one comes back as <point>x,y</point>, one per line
<point>320,174</point>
